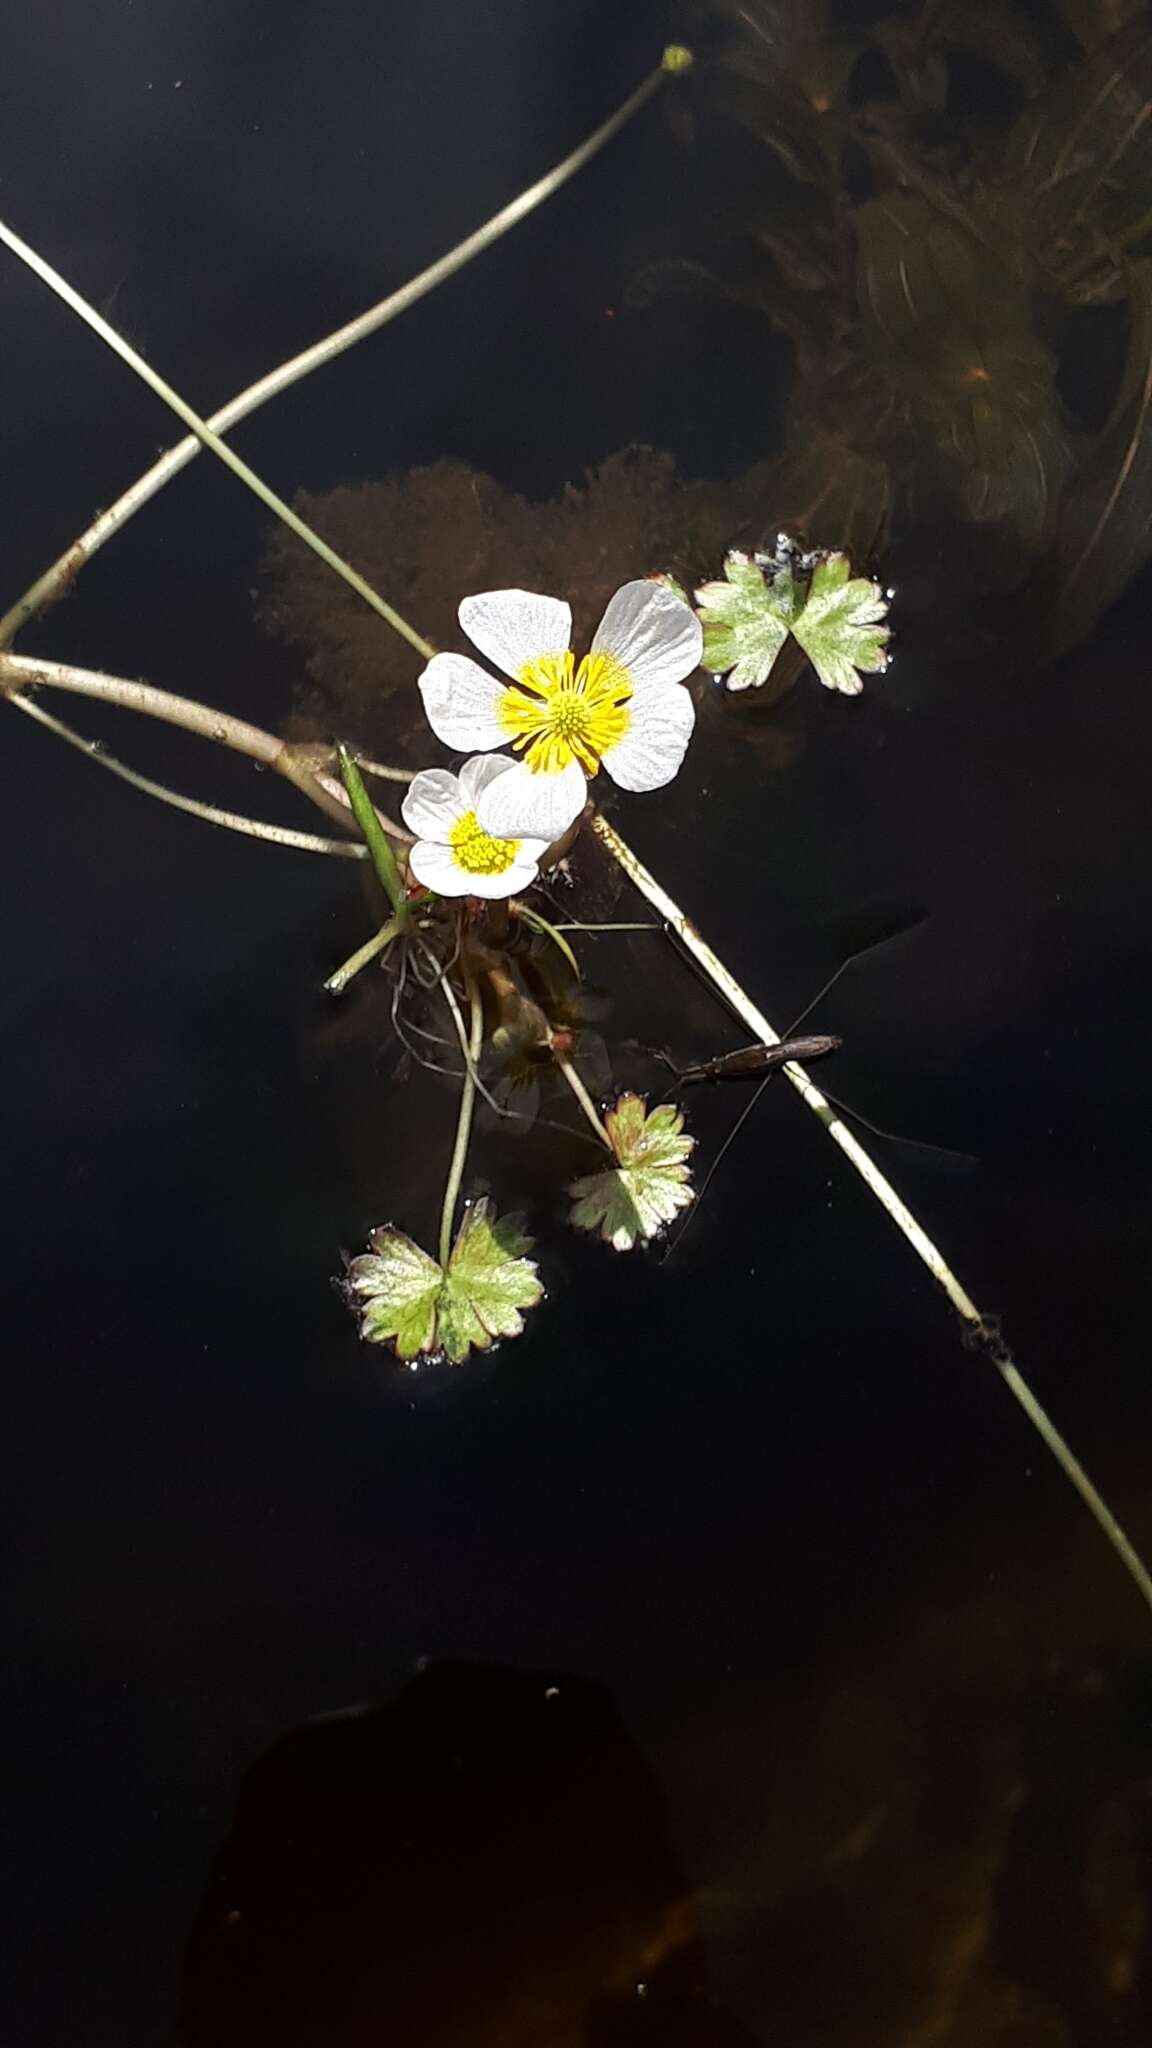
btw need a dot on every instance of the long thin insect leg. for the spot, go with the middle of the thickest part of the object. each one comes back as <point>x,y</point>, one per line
<point>898,1137</point>
<point>861,953</point>
<point>822,992</point>
<point>730,1140</point>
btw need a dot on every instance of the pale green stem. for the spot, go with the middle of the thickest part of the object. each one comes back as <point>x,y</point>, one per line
<point>582,1096</point>
<point>210,439</point>
<point>21,671</point>
<point>981,1328</point>
<point>536,923</point>
<point>363,956</point>
<point>232,821</point>
<point>52,584</point>
<point>463,1126</point>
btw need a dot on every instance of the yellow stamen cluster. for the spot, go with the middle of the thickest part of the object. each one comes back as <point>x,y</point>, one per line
<point>554,717</point>
<point>476,851</point>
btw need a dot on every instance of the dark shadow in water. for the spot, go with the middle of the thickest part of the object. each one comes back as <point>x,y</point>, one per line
<point>483,1860</point>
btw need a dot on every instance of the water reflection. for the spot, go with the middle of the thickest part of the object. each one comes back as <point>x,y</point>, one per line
<point>481,1862</point>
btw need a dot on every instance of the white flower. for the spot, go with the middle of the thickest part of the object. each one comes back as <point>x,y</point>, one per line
<point>453,854</point>
<point>624,708</point>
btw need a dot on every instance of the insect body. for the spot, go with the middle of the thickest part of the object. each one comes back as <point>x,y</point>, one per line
<point>755,1059</point>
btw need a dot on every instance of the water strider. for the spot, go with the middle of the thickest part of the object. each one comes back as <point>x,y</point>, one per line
<point>753,1059</point>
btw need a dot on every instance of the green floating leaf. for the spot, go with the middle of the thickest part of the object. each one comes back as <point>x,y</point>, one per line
<point>745,622</point>
<point>400,1287</point>
<point>841,627</point>
<point>411,1302</point>
<point>489,1281</point>
<point>638,1196</point>
<point>838,620</point>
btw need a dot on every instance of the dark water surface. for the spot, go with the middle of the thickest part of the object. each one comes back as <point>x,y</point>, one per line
<point>844,1662</point>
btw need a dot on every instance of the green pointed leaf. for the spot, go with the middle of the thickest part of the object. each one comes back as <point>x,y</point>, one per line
<point>410,1301</point>
<point>841,628</point>
<point>637,1197</point>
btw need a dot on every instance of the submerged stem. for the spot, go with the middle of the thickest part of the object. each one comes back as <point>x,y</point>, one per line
<point>981,1329</point>
<point>1071,1467</point>
<point>463,1125</point>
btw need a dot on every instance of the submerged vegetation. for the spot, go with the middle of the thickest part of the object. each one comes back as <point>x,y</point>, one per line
<point>944,208</point>
<point>466,926</point>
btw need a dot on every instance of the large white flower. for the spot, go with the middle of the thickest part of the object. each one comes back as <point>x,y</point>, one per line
<point>624,708</point>
<point>453,853</point>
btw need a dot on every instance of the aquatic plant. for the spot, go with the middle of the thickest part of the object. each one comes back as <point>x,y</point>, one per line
<point>457,915</point>
<point>934,205</point>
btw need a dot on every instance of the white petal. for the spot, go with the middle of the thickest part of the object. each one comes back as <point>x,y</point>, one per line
<point>438,869</point>
<point>513,627</point>
<point>460,699</point>
<point>477,773</point>
<point>656,741</point>
<point>652,633</point>
<point>524,804</point>
<point>433,804</point>
<point>512,882</point>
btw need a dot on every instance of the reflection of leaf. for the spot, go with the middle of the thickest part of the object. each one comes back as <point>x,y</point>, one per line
<point>841,627</point>
<point>995,34</point>
<point>638,1196</point>
<point>838,621</point>
<point>950,329</point>
<point>766,103</point>
<point>824,489</point>
<point>1079,162</point>
<point>1093,20</point>
<point>1104,533</point>
<point>789,43</point>
<point>410,1301</point>
<point>673,277</point>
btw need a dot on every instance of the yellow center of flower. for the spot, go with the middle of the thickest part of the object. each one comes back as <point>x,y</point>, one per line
<point>476,851</point>
<point>559,717</point>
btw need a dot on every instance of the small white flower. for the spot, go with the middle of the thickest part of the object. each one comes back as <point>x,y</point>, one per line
<point>624,708</point>
<point>453,854</point>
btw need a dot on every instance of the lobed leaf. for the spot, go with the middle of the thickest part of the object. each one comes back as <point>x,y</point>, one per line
<point>410,1301</point>
<point>638,1197</point>
<point>841,628</point>
<point>745,625</point>
<point>836,619</point>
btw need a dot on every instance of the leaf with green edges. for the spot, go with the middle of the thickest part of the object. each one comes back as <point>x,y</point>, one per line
<point>639,1196</point>
<point>745,622</point>
<point>410,1302</point>
<point>489,1281</point>
<point>399,1286</point>
<point>837,620</point>
<point>841,627</point>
